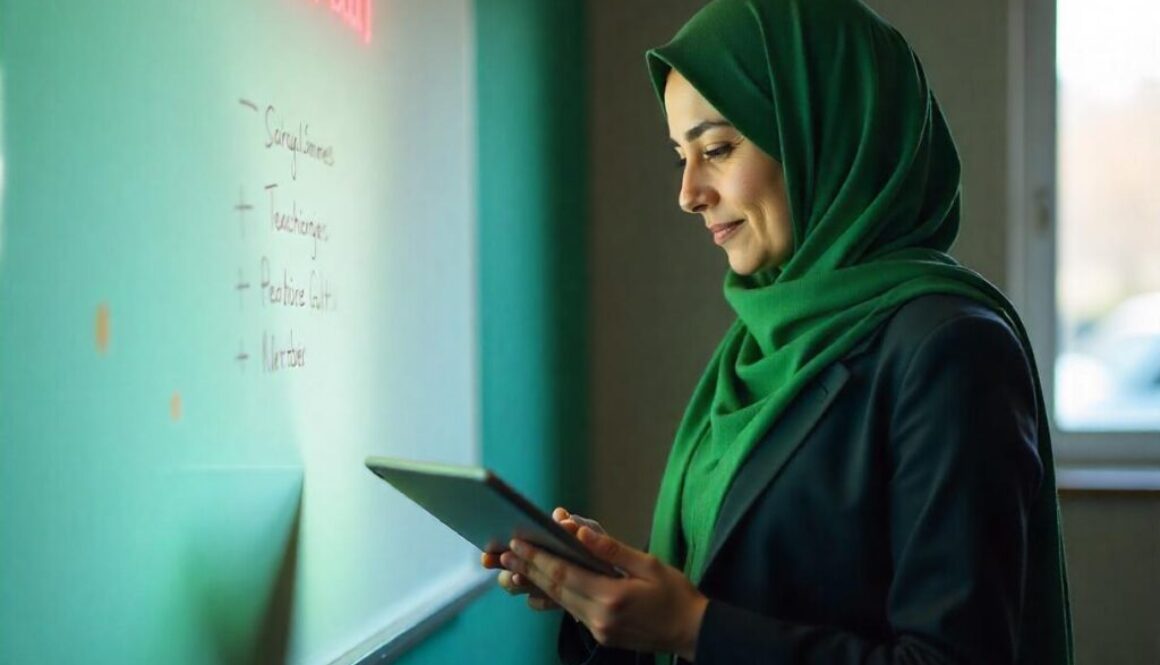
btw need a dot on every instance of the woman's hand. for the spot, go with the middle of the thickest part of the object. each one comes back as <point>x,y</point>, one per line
<point>517,584</point>
<point>654,608</point>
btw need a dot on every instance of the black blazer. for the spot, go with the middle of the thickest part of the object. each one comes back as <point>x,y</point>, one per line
<point>884,518</point>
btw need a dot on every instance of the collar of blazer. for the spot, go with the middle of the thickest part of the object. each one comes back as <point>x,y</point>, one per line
<point>768,458</point>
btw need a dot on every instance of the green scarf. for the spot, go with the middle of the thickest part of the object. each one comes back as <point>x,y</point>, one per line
<point>836,95</point>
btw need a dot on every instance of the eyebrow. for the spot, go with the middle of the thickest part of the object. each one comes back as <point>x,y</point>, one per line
<point>702,127</point>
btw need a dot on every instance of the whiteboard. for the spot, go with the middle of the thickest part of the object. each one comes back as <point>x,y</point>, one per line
<point>237,255</point>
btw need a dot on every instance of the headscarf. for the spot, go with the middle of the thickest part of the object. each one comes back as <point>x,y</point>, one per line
<point>872,176</point>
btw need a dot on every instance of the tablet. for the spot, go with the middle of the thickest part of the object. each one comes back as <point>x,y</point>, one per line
<point>483,509</point>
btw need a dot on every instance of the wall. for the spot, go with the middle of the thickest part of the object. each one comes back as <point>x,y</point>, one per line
<point>656,303</point>
<point>1113,556</point>
<point>532,211</point>
<point>657,309</point>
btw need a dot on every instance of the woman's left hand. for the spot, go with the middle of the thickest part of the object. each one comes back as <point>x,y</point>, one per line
<point>654,608</point>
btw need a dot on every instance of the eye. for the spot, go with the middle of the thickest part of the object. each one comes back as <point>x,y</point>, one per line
<point>720,151</point>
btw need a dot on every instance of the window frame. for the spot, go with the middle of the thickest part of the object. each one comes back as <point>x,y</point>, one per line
<point>1032,228</point>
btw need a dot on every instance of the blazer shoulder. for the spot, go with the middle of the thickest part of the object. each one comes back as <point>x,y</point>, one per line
<point>921,317</point>
<point>946,325</point>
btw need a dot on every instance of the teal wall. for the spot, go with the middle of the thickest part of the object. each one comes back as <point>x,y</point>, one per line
<point>533,300</point>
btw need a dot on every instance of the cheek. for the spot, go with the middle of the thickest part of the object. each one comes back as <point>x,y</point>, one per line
<point>756,198</point>
<point>748,192</point>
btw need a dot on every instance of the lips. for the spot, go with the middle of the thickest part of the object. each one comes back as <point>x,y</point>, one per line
<point>722,232</point>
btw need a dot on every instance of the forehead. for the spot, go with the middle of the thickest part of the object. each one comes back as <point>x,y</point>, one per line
<point>685,107</point>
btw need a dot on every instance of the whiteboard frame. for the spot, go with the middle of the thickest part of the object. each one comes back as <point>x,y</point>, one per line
<point>400,636</point>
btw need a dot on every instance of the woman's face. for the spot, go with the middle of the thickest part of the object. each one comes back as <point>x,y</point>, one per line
<point>736,188</point>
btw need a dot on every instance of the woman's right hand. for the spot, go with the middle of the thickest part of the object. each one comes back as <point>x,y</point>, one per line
<point>515,584</point>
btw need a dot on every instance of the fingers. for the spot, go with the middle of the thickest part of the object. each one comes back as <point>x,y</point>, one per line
<point>566,520</point>
<point>516,585</point>
<point>630,560</point>
<point>512,582</point>
<point>490,560</point>
<point>542,604</point>
<point>506,580</point>
<point>574,522</point>
<point>591,524</point>
<point>569,586</point>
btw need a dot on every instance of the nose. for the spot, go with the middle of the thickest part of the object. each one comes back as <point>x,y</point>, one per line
<point>696,194</point>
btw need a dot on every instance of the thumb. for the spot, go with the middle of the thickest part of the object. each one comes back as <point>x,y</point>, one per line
<point>631,560</point>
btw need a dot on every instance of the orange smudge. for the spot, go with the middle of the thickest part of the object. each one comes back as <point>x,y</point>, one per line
<point>102,328</point>
<point>175,406</point>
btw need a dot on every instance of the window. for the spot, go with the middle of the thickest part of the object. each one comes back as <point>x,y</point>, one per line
<point>1086,220</point>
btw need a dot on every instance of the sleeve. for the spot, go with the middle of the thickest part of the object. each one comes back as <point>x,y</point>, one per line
<point>964,469</point>
<point>575,645</point>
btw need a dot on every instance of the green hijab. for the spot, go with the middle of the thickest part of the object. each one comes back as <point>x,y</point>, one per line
<point>836,95</point>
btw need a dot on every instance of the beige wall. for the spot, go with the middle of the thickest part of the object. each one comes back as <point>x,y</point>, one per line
<point>1113,553</point>
<point>963,47</point>
<point>657,309</point>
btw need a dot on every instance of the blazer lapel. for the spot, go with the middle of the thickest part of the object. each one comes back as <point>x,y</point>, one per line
<point>771,454</point>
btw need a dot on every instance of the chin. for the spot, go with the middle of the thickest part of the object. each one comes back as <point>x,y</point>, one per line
<point>748,265</point>
<point>742,266</point>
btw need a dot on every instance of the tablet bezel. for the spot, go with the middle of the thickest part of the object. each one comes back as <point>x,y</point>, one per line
<point>559,541</point>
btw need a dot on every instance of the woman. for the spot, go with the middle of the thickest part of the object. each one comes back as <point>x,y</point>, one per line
<point>864,473</point>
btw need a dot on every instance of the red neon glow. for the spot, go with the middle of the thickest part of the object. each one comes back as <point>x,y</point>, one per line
<point>357,14</point>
